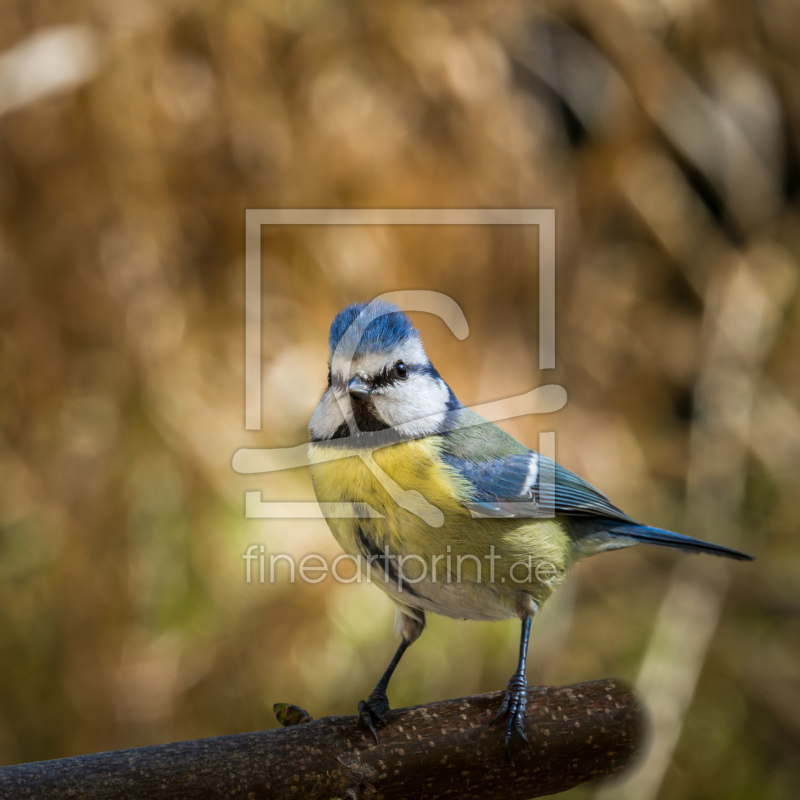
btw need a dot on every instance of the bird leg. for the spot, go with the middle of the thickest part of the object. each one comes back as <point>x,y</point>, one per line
<point>516,700</point>
<point>371,711</point>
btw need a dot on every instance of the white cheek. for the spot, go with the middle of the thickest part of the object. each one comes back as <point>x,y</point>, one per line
<point>327,417</point>
<point>417,406</point>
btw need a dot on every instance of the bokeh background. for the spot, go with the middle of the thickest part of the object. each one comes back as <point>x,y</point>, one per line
<point>134,135</point>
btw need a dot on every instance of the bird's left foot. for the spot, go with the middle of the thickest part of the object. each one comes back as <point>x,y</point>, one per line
<point>513,707</point>
<point>372,710</point>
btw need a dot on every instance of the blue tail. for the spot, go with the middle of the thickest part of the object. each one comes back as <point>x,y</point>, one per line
<point>648,535</point>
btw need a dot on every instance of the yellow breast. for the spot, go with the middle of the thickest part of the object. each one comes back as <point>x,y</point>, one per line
<point>407,484</point>
<point>420,502</point>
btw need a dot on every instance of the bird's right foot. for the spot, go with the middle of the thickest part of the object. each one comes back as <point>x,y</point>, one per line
<point>513,707</point>
<point>372,710</point>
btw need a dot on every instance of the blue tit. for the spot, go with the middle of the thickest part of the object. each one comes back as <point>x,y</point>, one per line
<point>456,516</point>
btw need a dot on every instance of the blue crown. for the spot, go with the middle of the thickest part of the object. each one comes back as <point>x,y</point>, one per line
<point>379,330</point>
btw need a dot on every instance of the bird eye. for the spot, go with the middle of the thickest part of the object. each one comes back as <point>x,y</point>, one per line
<point>401,370</point>
<point>329,377</point>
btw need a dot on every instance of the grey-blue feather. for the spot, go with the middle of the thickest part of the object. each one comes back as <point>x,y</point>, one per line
<point>510,480</point>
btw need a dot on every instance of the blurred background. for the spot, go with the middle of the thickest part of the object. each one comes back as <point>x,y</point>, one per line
<point>133,136</point>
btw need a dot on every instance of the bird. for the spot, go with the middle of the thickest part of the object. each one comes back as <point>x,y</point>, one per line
<point>453,516</point>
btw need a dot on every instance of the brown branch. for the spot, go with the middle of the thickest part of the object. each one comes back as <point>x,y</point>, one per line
<point>577,734</point>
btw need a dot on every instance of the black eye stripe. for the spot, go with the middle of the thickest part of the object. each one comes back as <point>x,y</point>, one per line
<point>387,376</point>
<point>336,381</point>
<point>383,378</point>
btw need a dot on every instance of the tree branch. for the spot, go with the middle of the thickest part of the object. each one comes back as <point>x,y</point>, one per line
<point>577,734</point>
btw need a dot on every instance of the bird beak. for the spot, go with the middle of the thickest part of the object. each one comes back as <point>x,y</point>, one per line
<point>358,388</point>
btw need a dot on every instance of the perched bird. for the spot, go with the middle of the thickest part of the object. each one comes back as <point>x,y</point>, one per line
<point>455,517</point>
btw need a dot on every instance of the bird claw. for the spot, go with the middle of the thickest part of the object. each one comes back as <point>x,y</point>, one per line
<point>513,707</point>
<point>371,711</point>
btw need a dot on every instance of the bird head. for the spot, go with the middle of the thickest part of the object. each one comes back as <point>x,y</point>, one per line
<point>379,377</point>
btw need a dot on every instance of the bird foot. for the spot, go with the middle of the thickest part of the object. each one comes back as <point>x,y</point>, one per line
<point>371,711</point>
<point>513,708</point>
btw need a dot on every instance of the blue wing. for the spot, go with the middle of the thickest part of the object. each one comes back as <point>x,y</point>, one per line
<point>531,485</point>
